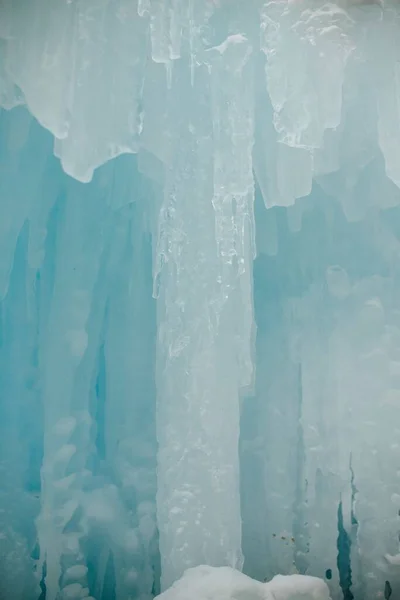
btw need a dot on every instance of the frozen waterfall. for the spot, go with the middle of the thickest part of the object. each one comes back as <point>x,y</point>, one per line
<point>199,299</point>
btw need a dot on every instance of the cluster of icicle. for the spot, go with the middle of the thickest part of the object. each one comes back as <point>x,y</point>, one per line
<point>213,96</point>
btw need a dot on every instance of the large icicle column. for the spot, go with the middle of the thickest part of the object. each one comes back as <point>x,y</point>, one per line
<point>159,161</point>
<point>203,279</point>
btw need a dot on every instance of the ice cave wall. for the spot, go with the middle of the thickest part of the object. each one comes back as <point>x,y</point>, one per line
<point>146,424</point>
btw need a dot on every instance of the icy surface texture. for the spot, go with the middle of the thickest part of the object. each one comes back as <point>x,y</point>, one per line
<point>77,386</point>
<point>199,339</point>
<point>209,583</point>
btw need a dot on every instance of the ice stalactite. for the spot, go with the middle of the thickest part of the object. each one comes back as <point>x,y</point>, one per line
<point>386,52</point>
<point>298,44</point>
<point>144,430</point>
<point>60,55</point>
<point>203,281</point>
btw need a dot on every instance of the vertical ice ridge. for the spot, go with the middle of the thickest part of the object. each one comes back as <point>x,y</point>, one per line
<point>129,418</point>
<point>62,523</point>
<point>19,498</point>
<point>276,434</point>
<point>324,486</point>
<point>385,63</point>
<point>175,27</point>
<point>167,22</point>
<point>233,196</point>
<point>199,288</point>
<point>24,154</point>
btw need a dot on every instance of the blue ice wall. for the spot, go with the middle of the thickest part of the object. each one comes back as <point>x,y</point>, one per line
<point>199,294</point>
<point>77,374</point>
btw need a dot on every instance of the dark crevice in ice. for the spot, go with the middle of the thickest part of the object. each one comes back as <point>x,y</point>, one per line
<point>43,584</point>
<point>343,559</point>
<point>388,590</point>
<point>109,581</point>
<point>299,523</point>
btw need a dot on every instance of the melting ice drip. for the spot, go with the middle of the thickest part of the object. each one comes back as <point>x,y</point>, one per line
<point>122,396</point>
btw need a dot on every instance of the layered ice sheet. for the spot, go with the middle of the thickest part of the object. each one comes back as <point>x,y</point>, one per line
<point>145,428</point>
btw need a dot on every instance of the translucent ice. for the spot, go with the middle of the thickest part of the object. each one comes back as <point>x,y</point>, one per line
<point>199,298</point>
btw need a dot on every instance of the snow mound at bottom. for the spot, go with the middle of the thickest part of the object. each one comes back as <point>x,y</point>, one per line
<point>224,583</point>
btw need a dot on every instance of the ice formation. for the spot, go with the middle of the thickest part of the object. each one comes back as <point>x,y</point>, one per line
<point>204,583</point>
<point>199,296</point>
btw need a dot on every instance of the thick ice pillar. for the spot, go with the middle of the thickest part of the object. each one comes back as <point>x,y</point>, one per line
<point>204,315</point>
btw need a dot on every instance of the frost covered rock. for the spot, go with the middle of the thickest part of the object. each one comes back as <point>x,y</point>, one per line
<point>224,583</point>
